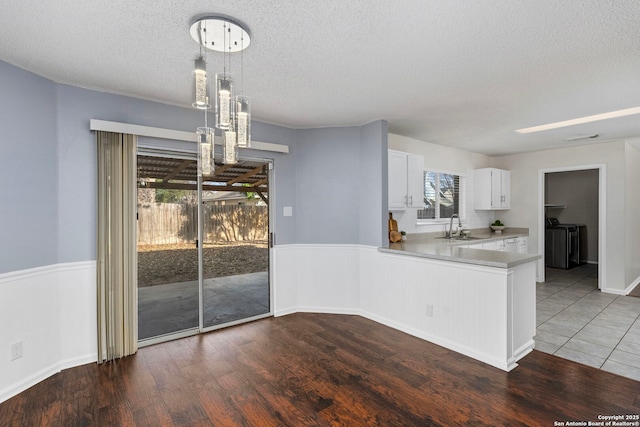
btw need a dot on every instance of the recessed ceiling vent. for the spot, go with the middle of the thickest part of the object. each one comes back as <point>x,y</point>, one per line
<point>578,138</point>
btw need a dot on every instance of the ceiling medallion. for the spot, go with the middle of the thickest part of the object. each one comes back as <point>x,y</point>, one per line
<point>216,32</point>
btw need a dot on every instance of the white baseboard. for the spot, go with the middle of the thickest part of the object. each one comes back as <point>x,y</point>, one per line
<point>52,311</point>
<point>37,377</point>
<point>467,351</point>
<point>320,310</point>
<point>632,286</point>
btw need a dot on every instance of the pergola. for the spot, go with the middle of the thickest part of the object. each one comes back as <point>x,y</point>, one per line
<point>180,174</point>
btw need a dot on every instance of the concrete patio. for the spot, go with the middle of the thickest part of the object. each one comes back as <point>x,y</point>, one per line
<point>164,309</point>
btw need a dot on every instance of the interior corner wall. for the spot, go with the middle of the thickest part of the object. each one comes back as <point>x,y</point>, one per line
<point>372,218</point>
<point>28,170</point>
<point>525,169</point>
<point>632,207</point>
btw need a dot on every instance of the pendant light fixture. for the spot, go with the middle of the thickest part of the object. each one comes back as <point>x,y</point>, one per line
<point>243,109</point>
<point>206,164</point>
<point>224,100</point>
<point>205,135</point>
<point>201,98</point>
<point>232,114</point>
<point>243,121</point>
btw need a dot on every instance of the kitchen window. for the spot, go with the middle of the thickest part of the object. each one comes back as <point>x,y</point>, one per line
<point>443,197</point>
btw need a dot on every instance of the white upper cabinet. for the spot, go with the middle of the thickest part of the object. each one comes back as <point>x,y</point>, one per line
<point>492,189</point>
<point>405,180</point>
<point>415,181</point>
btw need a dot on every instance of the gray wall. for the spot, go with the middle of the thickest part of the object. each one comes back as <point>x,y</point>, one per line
<point>578,191</point>
<point>48,170</point>
<point>28,170</point>
<point>373,220</point>
<point>327,185</point>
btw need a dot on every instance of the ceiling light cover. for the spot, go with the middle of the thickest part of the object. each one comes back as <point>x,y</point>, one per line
<point>581,120</point>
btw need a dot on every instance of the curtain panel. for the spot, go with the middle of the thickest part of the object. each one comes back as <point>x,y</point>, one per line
<point>116,246</point>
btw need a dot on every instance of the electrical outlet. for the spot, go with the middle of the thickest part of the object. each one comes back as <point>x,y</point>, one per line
<point>16,350</point>
<point>429,310</point>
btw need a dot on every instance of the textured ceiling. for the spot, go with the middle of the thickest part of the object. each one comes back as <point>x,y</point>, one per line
<point>454,72</point>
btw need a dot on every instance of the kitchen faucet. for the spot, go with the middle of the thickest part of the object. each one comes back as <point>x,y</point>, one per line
<point>449,233</point>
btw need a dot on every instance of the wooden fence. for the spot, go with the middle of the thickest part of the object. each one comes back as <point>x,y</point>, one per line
<point>171,223</point>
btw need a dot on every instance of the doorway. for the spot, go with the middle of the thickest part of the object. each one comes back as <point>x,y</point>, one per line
<point>203,255</point>
<point>552,207</point>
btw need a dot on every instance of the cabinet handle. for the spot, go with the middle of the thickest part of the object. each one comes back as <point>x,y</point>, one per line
<point>410,200</point>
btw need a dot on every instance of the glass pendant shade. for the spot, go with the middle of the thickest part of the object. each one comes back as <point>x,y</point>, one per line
<point>243,121</point>
<point>230,148</point>
<point>224,101</point>
<point>201,98</point>
<point>206,165</point>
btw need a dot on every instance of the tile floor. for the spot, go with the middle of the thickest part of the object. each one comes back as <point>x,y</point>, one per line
<point>578,322</point>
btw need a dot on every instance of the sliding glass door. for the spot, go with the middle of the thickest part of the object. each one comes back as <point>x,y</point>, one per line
<point>167,229</point>
<point>202,265</point>
<point>235,248</point>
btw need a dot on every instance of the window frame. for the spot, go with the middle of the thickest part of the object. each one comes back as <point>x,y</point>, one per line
<point>462,182</point>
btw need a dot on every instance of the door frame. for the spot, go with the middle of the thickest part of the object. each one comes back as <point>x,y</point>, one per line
<point>192,155</point>
<point>176,154</point>
<point>270,226</point>
<point>602,218</point>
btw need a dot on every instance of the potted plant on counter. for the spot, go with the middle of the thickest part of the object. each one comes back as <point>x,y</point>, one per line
<point>497,226</point>
<point>404,235</point>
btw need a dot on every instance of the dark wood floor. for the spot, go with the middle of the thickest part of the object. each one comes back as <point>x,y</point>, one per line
<point>312,369</point>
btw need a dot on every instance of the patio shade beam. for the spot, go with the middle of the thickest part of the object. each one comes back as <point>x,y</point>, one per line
<point>263,197</point>
<point>182,166</point>
<point>246,175</point>
<point>206,187</point>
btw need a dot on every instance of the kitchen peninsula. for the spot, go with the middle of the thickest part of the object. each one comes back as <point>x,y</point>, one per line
<point>478,302</point>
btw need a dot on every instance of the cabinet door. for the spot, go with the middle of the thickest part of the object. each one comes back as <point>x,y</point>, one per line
<point>523,245</point>
<point>483,185</point>
<point>397,180</point>
<point>505,189</point>
<point>496,188</point>
<point>415,181</point>
<point>511,245</point>
<point>492,189</point>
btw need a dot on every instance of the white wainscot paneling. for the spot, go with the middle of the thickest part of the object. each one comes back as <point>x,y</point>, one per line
<point>483,312</point>
<point>52,311</point>
<point>466,308</point>
<point>316,278</point>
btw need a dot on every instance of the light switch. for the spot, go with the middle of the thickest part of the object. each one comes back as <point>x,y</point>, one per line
<point>288,211</point>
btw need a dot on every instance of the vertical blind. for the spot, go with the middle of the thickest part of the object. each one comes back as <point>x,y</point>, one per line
<point>116,248</point>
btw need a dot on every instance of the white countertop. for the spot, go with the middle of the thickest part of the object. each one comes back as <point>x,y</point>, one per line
<point>451,250</point>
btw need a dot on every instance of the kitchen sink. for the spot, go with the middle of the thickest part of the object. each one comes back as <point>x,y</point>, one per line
<point>461,238</point>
